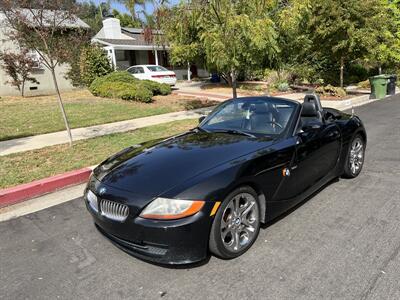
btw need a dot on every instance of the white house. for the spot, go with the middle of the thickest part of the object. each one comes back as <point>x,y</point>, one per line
<point>43,75</point>
<point>127,47</point>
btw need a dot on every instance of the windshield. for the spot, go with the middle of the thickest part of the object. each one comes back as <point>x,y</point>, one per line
<point>156,68</point>
<point>255,116</point>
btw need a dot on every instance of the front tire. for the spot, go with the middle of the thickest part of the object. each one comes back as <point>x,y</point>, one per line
<point>236,225</point>
<point>355,157</point>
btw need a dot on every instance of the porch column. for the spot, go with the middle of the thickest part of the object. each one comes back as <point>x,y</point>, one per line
<point>188,72</point>
<point>156,56</point>
<point>114,60</point>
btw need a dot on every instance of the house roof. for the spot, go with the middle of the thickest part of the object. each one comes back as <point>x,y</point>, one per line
<point>130,38</point>
<point>128,42</point>
<point>138,30</point>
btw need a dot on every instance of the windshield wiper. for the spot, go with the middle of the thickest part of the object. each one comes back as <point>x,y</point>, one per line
<point>235,131</point>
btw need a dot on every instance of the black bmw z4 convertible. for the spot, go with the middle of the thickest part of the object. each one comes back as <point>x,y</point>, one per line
<point>207,190</point>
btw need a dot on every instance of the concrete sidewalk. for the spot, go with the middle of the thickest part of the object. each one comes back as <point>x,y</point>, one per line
<point>61,137</point>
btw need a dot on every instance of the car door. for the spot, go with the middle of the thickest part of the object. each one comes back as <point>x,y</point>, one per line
<point>141,73</point>
<point>317,152</point>
<point>138,72</point>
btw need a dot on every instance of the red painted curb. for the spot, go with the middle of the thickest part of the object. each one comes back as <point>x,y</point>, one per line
<point>36,188</point>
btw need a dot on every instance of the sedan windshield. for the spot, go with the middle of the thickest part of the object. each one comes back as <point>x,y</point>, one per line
<point>251,116</point>
<point>156,69</point>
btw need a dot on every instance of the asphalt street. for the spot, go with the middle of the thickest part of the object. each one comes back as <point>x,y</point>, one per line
<point>343,243</point>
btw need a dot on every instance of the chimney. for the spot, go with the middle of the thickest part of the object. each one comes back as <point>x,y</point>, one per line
<point>112,28</point>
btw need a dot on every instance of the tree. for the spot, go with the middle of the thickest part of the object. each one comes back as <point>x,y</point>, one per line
<point>234,35</point>
<point>291,18</point>
<point>131,6</point>
<point>384,48</point>
<point>51,32</point>
<point>126,20</point>
<point>344,30</point>
<point>182,28</point>
<point>19,67</point>
<point>94,63</point>
<point>93,14</point>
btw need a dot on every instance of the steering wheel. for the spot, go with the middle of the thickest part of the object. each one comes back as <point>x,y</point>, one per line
<point>275,123</point>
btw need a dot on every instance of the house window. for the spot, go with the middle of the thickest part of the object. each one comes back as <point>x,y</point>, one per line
<point>35,56</point>
<point>120,55</point>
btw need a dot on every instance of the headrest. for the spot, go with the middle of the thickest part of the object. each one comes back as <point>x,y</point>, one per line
<point>309,110</point>
<point>313,98</point>
<point>259,108</point>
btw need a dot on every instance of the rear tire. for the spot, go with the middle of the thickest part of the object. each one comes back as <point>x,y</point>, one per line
<point>355,157</point>
<point>236,225</point>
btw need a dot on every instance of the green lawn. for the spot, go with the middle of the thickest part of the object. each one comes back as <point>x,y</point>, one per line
<point>20,117</point>
<point>25,167</point>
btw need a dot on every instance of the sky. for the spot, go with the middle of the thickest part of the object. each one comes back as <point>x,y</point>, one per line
<point>120,7</point>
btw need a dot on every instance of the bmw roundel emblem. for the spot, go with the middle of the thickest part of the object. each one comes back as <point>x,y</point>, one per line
<point>102,191</point>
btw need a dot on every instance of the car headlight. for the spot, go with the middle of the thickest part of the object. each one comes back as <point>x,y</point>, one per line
<point>169,209</point>
<point>92,200</point>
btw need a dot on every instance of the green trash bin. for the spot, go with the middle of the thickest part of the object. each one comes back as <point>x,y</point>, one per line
<point>378,86</point>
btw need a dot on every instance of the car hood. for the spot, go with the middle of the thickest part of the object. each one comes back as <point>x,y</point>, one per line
<point>155,167</point>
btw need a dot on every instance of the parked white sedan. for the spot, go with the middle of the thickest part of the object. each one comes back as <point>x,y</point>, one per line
<point>154,73</point>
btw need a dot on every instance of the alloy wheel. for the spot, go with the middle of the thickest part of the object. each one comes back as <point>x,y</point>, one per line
<point>239,222</point>
<point>356,158</point>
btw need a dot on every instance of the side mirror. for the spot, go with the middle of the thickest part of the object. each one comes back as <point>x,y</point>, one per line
<point>201,119</point>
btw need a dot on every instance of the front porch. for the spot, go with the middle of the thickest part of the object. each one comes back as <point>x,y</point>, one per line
<point>123,57</point>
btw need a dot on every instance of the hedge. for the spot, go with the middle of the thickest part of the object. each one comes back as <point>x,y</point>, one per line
<point>124,86</point>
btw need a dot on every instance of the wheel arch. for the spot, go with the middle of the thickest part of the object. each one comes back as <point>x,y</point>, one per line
<point>261,197</point>
<point>360,129</point>
<point>362,133</point>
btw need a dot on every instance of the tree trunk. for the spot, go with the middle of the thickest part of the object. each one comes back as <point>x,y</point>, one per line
<point>23,88</point>
<point>380,70</point>
<point>234,92</point>
<point>341,71</point>
<point>61,106</point>
<point>227,78</point>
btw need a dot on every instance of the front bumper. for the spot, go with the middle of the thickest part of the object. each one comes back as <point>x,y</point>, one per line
<point>183,241</point>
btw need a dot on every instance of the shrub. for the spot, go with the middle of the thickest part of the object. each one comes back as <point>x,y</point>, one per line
<point>252,87</point>
<point>122,90</point>
<point>124,86</point>
<point>330,90</point>
<point>283,86</point>
<point>157,88</point>
<point>93,63</point>
<point>199,103</point>
<point>364,84</point>
<point>119,76</point>
<point>302,73</point>
<point>254,74</point>
<point>356,73</point>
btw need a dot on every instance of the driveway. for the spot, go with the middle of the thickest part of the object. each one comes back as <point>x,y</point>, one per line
<point>342,243</point>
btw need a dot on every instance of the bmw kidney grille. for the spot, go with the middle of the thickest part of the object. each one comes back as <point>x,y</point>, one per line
<point>113,210</point>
